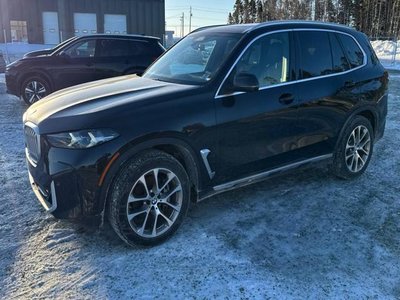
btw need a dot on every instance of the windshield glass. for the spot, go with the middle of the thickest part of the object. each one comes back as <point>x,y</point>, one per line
<point>194,60</point>
<point>62,44</point>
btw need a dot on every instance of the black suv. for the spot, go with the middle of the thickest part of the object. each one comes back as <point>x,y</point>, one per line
<point>80,60</point>
<point>225,107</point>
<point>2,63</point>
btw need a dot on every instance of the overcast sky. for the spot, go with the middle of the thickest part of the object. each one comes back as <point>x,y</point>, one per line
<point>205,12</point>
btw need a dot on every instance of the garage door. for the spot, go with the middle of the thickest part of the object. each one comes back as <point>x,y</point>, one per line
<point>85,24</point>
<point>115,24</point>
<point>51,33</point>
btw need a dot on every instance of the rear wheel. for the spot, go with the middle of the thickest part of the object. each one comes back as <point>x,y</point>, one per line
<point>34,89</point>
<point>354,149</point>
<point>149,198</point>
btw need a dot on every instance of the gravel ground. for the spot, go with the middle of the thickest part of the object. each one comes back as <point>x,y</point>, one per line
<point>301,235</point>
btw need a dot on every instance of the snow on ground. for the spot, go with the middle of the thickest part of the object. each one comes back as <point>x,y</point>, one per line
<point>300,235</point>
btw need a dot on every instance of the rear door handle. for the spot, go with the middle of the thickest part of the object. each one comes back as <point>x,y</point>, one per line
<point>286,99</point>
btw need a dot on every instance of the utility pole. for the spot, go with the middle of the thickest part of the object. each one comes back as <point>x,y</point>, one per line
<point>313,10</point>
<point>190,20</point>
<point>183,25</point>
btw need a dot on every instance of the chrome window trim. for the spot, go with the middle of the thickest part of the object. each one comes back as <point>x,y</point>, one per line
<point>35,128</point>
<point>365,61</point>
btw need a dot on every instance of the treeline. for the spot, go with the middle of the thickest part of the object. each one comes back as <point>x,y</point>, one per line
<point>376,18</point>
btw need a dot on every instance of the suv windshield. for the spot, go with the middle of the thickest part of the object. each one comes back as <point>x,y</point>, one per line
<point>194,60</point>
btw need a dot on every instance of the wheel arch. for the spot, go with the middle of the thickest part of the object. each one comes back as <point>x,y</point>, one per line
<point>176,147</point>
<point>366,112</point>
<point>35,73</point>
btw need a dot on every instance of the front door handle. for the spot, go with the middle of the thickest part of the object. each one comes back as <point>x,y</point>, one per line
<point>286,99</point>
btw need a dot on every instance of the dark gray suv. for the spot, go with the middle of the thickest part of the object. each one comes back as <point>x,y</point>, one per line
<point>81,60</point>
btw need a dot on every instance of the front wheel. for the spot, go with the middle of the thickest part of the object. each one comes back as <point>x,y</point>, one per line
<point>149,198</point>
<point>33,89</point>
<point>354,149</point>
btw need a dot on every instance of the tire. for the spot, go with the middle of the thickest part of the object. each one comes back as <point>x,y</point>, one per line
<point>134,212</point>
<point>33,89</point>
<point>354,149</point>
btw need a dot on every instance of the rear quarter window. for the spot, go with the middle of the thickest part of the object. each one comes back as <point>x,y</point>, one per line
<point>339,60</point>
<point>353,52</point>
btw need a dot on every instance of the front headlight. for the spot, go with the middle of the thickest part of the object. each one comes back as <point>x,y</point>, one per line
<point>81,139</point>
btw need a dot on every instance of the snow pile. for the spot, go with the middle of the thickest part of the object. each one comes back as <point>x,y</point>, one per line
<point>388,53</point>
<point>386,49</point>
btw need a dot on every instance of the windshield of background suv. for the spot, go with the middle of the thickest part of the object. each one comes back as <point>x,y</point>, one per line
<point>194,60</point>
<point>62,44</point>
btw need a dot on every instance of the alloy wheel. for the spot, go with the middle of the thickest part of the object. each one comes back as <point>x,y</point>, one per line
<point>34,91</point>
<point>154,202</point>
<point>358,148</point>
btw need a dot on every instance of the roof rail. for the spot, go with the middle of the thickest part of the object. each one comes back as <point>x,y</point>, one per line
<point>210,26</point>
<point>269,23</point>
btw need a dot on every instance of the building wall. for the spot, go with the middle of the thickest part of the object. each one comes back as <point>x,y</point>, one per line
<point>143,16</point>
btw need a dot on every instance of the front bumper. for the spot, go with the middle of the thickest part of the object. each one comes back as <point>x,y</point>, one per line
<point>48,200</point>
<point>12,84</point>
<point>66,182</point>
<point>62,194</point>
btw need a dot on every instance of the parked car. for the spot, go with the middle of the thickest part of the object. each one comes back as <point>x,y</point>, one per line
<point>2,63</point>
<point>50,50</point>
<point>81,60</point>
<point>226,107</point>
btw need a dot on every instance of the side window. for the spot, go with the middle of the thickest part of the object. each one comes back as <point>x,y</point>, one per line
<point>352,50</point>
<point>82,49</point>
<point>315,53</point>
<point>118,48</point>
<point>340,63</point>
<point>268,59</point>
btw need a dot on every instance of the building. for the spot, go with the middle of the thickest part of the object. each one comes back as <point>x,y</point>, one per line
<point>53,21</point>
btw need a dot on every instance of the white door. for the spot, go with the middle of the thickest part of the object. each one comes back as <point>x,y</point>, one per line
<point>51,33</point>
<point>115,24</point>
<point>85,24</point>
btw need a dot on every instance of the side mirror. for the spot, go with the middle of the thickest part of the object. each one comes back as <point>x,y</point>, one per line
<point>245,82</point>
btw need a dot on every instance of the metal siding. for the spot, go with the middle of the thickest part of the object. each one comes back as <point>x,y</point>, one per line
<point>143,16</point>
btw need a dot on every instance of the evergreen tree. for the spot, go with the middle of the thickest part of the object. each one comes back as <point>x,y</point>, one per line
<point>252,11</point>
<point>230,19</point>
<point>330,11</point>
<point>237,12</point>
<point>376,18</point>
<point>260,12</point>
<point>246,12</point>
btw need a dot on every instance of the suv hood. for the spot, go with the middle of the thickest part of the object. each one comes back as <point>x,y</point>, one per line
<point>39,53</point>
<point>98,96</point>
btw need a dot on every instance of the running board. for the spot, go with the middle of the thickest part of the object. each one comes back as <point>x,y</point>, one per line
<point>261,176</point>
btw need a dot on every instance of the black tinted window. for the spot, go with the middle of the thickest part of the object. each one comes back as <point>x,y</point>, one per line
<point>352,50</point>
<point>115,47</point>
<point>315,54</point>
<point>82,49</point>
<point>339,59</point>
